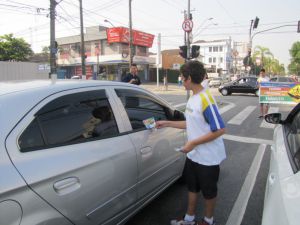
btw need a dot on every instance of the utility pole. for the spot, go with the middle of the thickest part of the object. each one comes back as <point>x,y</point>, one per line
<point>130,36</point>
<point>53,47</point>
<point>158,58</point>
<point>82,42</point>
<point>188,42</point>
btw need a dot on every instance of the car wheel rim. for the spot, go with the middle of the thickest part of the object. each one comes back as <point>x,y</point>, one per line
<point>224,92</point>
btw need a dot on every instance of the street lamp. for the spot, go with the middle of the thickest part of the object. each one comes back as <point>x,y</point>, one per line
<point>107,21</point>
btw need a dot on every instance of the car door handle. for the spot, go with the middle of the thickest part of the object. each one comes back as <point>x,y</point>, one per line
<point>146,150</point>
<point>66,185</point>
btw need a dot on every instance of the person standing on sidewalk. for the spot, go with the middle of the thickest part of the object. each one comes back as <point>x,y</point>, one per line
<point>264,107</point>
<point>205,148</point>
<point>132,77</point>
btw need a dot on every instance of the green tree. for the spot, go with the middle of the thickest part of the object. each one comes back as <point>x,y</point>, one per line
<point>14,48</point>
<point>294,66</point>
<point>263,53</point>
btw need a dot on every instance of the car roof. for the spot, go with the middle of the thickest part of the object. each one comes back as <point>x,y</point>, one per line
<point>50,86</point>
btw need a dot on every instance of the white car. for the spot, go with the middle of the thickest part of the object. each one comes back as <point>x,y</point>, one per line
<point>282,196</point>
<point>74,152</point>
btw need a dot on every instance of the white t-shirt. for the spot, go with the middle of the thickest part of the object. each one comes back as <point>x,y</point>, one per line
<point>204,84</point>
<point>202,116</point>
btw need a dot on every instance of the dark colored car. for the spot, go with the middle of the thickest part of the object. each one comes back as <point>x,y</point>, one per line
<point>241,85</point>
<point>282,79</point>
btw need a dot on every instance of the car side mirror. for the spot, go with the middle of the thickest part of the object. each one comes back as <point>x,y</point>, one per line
<point>178,115</point>
<point>273,118</point>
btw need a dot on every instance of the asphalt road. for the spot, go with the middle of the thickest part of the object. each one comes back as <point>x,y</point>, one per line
<point>243,174</point>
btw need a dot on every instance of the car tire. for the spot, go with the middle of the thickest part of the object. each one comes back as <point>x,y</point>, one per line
<point>224,92</point>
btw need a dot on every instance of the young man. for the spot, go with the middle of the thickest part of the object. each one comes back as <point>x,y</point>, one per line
<point>132,77</point>
<point>264,107</point>
<point>205,148</point>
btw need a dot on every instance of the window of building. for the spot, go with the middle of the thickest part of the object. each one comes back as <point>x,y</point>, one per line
<point>221,59</point>
<point>215,49</point>
<point>210,60</point>
<point>210,49</point>
<point>220,48</point>
<point>140,106</point>
<point>70,119</point>
<point>214,60</point>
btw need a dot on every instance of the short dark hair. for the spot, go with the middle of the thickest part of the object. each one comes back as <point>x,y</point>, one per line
<point>133,64</point>
<point>263,70</point>
<point>195,70</point>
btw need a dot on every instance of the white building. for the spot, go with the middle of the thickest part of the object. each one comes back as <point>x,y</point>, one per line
<point>217,56</point>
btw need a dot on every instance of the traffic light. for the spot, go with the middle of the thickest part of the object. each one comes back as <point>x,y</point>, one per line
<point>183,51</point>
<point>298,30</point>
<point>195,51</point>
<point>255,22</point>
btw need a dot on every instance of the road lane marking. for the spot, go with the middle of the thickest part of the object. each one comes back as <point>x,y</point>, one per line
<point>247,139</point>
<point>179,105</point>
<point>240,117</point>
<point>240,205</point>
<point>265,124</point>
<point>227,107</point>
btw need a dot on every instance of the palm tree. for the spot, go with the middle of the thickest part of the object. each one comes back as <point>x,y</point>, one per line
<point>263,52</point>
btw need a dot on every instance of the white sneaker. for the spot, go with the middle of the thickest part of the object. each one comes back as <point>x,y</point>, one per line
<point>182,222</point>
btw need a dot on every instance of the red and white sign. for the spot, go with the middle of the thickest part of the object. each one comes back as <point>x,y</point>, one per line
<point>121,34</point>
<point>187,25</point>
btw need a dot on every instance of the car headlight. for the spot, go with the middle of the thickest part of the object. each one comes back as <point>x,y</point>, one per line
<point>221,86</point>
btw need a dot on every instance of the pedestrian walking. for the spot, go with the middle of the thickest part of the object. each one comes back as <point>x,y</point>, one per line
<point>179,81</point>
<point>264,107</point>
<point>132,77</point>
<point>205,148</point>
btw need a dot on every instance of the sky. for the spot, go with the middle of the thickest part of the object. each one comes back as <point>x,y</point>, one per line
<point>231,18</point>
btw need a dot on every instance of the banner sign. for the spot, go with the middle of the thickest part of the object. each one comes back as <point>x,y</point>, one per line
<point>279,93</point>
<point>121,34</point>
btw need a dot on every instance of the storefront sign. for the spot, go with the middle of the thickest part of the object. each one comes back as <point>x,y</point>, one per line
<point>279,93</point>
<point>121,34</point>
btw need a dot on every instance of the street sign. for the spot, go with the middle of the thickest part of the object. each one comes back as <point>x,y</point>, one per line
<point>187,25</point>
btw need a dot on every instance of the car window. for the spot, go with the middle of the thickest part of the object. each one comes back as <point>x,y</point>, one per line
<point>70,119</point>
<point>140,106</point>
<point>293,139</point>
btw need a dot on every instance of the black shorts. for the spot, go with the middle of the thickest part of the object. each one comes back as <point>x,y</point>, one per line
<point>202,178</point>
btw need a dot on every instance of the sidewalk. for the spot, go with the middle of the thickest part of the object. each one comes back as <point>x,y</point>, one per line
<point>161,89</point>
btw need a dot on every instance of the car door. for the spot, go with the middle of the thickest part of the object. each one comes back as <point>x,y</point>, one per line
<point>238,86</point>
<point>158,163</point>
<point>65,149</point>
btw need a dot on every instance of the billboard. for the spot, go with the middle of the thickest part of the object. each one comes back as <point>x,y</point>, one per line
<point>121,34</point>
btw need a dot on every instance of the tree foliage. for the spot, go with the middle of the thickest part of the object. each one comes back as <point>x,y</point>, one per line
<point>14,49</point>
<point>294,66</point>
<point>267,61</point>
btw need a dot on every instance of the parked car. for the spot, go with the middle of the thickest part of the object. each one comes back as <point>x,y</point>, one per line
<point>76,152</point>
<point>282,195</point>
<point>215,82</point>
<point>241,85</point>
<point>283,79</point>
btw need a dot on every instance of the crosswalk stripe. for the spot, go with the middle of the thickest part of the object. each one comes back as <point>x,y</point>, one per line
<point>240,117</point>
<point>264,124</point>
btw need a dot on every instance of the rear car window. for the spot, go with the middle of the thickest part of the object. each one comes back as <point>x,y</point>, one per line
<point>140,106</point>
<point>70,119</point>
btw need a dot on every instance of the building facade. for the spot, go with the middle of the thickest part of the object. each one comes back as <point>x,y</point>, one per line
<point>106,53</point>
<point>217,56</point>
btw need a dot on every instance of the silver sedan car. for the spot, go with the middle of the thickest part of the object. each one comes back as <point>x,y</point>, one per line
<point>77,152</point>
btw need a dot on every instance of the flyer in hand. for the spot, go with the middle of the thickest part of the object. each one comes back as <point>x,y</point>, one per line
<point>149,123</point>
